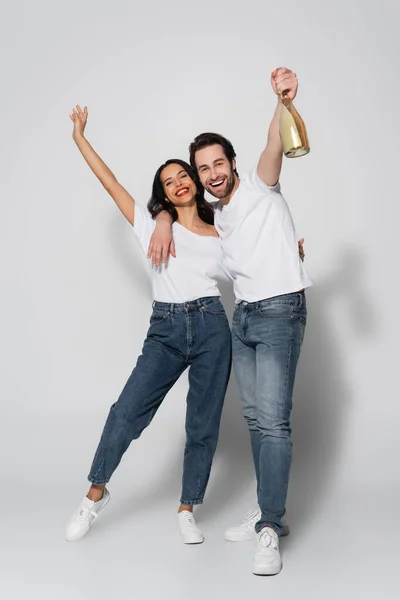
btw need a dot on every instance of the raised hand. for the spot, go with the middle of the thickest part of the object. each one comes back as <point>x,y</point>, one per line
<point>284,80</point>
<point>79,119</point>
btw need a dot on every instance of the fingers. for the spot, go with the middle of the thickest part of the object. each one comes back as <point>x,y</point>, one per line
<point>157,254</point>
<point>286,83</point>
<point>284,80</point>
<point>284,76</point>
<point>301,242</point>
<point>280,71</point>
<point>77,112</point>
<point>164,253</point>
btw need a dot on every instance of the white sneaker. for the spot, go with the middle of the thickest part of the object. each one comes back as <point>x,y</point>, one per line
<point>245,531</point>
<point>82,519</point>
<point>191,534</point>
<point>267,560</point>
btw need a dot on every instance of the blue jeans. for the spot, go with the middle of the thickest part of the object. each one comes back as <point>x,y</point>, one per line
<point>266,341</point>
<point>196,335</point>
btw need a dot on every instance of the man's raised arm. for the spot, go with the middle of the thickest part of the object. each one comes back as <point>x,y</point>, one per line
<point>270,163</point>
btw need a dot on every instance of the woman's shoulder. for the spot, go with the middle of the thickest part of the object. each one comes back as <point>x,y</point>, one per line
<point>210,230</point>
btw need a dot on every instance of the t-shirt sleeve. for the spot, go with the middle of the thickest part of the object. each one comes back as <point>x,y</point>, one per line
<point>256,180</point>
<point>143,226</point>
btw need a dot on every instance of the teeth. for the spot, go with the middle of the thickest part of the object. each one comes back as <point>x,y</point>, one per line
<point>181,192</point>
<point>217,183</point>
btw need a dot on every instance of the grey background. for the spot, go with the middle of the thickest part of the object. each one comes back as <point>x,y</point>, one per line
<point>76,296</point>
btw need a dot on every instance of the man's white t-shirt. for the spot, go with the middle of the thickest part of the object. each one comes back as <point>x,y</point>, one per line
<point>195,271</point>
<point>259,241</point>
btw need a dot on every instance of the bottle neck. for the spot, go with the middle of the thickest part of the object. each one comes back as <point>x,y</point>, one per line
<point>285,100</point>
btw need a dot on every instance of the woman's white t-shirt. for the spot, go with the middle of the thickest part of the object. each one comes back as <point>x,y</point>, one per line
<point>196,270</point>
<point>259,241</point>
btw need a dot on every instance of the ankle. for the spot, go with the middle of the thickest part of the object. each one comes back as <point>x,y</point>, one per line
<point>96,492</point>
<point>183,507</point>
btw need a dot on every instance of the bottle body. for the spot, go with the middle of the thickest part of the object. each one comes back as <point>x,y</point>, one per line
<point>292,131</point>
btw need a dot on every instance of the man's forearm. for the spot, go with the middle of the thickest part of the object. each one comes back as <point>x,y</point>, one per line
<point>270,163</point>
<point>274,143</point>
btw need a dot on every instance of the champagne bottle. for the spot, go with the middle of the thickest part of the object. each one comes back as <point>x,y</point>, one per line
<point>292,130</point>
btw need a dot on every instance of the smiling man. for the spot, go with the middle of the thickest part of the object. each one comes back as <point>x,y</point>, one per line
<point>259,241</point>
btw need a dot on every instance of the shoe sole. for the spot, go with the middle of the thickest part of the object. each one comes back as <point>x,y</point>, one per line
<point>267,574</point>
<point>74,539</point>
<point>189,543</point>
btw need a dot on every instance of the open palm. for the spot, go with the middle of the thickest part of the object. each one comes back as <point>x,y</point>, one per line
<point>79,119</point>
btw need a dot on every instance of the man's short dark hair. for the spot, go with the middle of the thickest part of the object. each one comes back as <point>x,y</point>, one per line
<point>210,139</point>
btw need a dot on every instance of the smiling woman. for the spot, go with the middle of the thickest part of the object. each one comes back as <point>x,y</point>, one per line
<point>171,181</point>
<point>188,329</point>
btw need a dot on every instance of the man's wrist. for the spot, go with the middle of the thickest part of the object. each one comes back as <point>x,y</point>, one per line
<point>164,217</point>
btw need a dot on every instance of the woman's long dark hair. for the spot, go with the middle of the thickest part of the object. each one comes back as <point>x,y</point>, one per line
<point>158,203</point>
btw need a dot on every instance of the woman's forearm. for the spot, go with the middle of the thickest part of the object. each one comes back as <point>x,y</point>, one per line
<point>118,193</point>
<point>97,165</point>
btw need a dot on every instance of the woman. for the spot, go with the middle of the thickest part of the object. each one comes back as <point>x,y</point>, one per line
<point>188,328</point>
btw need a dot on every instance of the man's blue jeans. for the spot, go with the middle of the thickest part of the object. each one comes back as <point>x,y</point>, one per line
<point>267,338</point>
<point>195,335</point>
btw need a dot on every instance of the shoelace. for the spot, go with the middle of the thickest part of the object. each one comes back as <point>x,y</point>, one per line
<point>267,541</point>
<point>84,513</point>
<point>249,519</point>
<point>189,520</point>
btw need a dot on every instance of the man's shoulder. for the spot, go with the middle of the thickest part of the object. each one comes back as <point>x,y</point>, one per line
<point>252,181</point>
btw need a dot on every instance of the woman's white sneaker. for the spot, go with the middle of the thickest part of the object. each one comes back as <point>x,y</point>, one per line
<point>267,559</point>
<point>82,519</point>
<point>245,531</point>
<point>191,534</point>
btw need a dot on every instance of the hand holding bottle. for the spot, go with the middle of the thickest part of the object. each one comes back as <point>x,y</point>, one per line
<point>284,81</point>
<point>292,129</point>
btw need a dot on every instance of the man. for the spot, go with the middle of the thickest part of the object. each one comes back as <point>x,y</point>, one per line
<point>259,242</point>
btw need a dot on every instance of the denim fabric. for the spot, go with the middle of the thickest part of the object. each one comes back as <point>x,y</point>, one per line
<point>196,335</point>
<point>266,342</point>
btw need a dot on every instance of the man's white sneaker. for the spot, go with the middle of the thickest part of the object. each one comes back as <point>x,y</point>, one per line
<point>245,531</point>
<point>82,519</point>
<point>191,534</point>
<point>267,560</point>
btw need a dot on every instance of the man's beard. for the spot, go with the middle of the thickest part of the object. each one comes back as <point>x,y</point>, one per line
<point>221,195</point>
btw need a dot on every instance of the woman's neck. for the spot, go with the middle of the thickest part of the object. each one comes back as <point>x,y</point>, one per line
<point>189,217</point>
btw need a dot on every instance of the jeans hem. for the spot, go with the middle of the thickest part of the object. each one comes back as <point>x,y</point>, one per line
<point>191,502</point>
<point>260,526</point>
<point>94,481</point>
